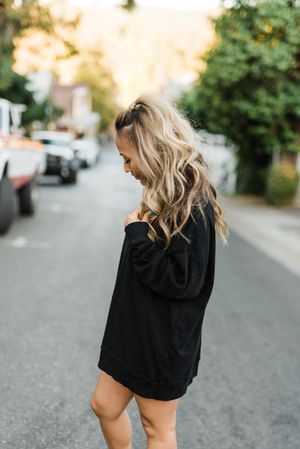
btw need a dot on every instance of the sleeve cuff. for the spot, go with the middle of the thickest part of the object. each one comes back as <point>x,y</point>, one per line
<point>137,231</point>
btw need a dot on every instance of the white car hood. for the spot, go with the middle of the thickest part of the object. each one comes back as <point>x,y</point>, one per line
<point>56,150</point>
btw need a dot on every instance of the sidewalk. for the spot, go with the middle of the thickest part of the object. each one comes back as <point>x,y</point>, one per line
<point>274,230</point>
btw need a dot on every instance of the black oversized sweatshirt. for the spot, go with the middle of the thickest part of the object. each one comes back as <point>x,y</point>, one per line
<point>152,339</point>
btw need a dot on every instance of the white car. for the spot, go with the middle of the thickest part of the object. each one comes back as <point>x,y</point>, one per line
<point>22,161</point>
<point>87,150</point>
<point>61,159</point>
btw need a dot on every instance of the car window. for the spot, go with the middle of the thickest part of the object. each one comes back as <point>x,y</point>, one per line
<point>58,143</point>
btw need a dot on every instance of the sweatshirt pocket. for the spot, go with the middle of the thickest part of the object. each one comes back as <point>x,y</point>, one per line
<point>185,327</point>
<point>176,326</point>
<point>173,315</point>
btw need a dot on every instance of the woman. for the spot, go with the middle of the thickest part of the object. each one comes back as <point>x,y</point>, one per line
<point>152,339</point>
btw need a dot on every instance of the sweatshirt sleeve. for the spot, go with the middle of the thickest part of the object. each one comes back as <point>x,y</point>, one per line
<point>175,273</point>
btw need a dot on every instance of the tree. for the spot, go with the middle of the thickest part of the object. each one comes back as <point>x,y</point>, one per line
<point>250,90</point>
<point>129,5</point>
<point>16,17</point>
<point>102,85</point>
<point>18,93</point>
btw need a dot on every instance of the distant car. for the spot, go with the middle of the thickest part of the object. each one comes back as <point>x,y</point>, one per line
<point>87,150</point>
<point>61,159</point>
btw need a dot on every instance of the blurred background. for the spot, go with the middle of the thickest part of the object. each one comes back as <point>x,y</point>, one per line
<point>66,68</point>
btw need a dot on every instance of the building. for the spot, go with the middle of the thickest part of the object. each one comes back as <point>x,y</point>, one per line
<point>76,102</point>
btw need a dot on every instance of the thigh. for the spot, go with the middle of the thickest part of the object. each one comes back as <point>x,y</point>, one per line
<point>157,415</point>
<point>110,398</point>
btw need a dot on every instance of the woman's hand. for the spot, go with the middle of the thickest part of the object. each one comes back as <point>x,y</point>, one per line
<point>134,216</point>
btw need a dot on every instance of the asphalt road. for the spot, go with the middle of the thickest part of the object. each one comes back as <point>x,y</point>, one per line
<point>57,276</point>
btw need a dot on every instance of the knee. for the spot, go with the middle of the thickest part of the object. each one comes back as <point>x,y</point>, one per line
<point>95,405</point>
<point>160,431</point>
<point>102,409</point>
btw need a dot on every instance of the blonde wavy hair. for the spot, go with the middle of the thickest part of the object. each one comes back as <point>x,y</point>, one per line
<point>177,178</point>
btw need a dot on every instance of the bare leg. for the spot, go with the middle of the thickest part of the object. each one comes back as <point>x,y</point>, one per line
<point>117,432</point>
<point>109,402</point>
<point>159,421</point>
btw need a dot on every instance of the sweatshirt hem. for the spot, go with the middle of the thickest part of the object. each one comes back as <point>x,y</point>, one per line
<point>141,387</point>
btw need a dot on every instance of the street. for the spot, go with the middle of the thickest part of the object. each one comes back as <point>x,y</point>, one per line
<point>57,275</point>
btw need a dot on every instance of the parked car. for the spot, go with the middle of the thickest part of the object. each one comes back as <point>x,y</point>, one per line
<point>22,161</point>
<point>60,157</point>
<point>87,150</point>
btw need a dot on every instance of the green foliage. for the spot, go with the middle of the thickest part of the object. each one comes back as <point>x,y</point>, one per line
<point>282,183</point>
<point>18,93</point>
<point>15,19</point>
<point>103,88</point>
<point>251,179</point>
<point>250,90</point>
<point>18,17</point>
<point>129,5</point>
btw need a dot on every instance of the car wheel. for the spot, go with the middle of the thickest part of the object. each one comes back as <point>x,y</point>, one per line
<point>6,205</point>
<point>71,178</point>
<point>28,198</point>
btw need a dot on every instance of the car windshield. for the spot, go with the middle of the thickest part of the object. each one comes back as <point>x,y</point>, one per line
<point>57,143</point>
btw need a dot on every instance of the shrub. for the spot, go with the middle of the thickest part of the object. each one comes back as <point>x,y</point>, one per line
<point>282,183</point>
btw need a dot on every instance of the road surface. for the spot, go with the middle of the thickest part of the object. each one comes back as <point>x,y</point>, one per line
<point>57,276</point>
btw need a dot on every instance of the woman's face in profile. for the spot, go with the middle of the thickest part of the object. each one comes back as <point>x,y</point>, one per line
<point>129,156</point>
